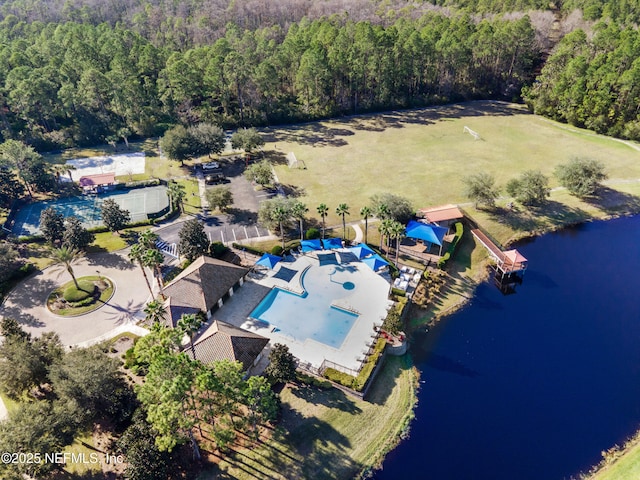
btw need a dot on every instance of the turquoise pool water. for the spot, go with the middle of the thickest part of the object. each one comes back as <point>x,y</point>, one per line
<point>310,315</point>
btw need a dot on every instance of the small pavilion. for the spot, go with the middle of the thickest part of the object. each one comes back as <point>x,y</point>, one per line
<point>427,233</point>
<point>94,183</point>
<point>443,215</point>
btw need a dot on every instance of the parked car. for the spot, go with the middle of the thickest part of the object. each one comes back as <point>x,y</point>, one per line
<point>215,178</point>
<point>208,167</point>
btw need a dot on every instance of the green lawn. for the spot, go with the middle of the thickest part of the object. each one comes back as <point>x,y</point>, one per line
<point>325,434</point>
<point>423,154</point>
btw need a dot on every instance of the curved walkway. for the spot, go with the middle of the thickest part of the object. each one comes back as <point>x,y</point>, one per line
<point>26,302</point>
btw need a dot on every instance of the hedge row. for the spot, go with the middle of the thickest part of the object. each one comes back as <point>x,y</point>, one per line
<point>358,383</point>
<point>452,248</point>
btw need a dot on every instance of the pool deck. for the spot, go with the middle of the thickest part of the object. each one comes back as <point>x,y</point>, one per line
<point>369,300</point>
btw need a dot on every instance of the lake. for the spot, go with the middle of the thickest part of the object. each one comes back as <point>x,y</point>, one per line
<point>537,384</point>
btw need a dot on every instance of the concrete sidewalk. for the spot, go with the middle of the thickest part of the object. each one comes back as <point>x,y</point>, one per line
<point>27,301</point>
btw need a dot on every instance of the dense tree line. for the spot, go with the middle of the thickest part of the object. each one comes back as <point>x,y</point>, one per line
<point>593,81</point>
<point>78,84</point>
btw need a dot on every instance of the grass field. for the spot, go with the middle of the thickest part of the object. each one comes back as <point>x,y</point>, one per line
<point>326,435</point>
<point>424,154</point>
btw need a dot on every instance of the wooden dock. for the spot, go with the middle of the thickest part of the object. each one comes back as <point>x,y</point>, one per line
<point>507,262</point>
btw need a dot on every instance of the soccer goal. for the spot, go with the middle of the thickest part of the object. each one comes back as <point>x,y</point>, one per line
<point>294,162</point>
<point>474,134</point>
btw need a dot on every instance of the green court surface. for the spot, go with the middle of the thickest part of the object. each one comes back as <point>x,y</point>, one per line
<point>139,202</point>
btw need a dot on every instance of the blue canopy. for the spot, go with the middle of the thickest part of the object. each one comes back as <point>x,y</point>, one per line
<point>375,262</point>
<point>426,232</point>
<point>331,243</point>
<point>268,260</point>
<point>311,245</point>
<point>362,250</point>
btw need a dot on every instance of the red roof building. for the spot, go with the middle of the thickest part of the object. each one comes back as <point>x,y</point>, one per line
<point>98,180</point>
<point>441,214</point>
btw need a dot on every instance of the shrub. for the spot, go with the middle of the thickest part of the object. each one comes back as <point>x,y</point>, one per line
<point>312,234</point>
<point>452,248</point>
<point>339,377</point>
<point>218,249</point>
<point>277,250</point>
<point>398,292</point>
<point>73,294</point>
<point>367,369</point>
<point>248,248</point>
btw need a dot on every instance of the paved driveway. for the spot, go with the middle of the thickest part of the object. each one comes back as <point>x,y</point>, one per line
<point>26,303</point>
<point>241,221</point>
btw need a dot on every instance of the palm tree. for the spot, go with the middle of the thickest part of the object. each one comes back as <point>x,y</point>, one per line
<point>343,209</point>
<point>66,257</point>
<point>153,258</point>
<point>323,210</point>
<point>297,211</point>
<point>155,312</point>
<point>148,238</point>
<point>382,211</point>
<point>135,255</point>
<point>281,215</point>
<point>365,212</point>
<point>189,324</point>
<point>384,228</point>
<point>177,193</point>
<point>396,230</point>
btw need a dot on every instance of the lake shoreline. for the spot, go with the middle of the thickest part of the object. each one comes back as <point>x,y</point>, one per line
<point>478,273</point>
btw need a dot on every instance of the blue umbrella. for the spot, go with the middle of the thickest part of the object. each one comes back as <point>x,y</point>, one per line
<point>428,233</point>
<point>331,243</point>
<point>311,245</point>
<point>375,262</point>
<point>362,250</point>
<point>268,260</point>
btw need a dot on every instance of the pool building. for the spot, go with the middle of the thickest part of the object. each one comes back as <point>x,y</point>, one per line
<point>323,305</point>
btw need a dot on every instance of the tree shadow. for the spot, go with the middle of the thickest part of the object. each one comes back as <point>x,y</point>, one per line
<point>333,398</point>
<point>314,134</point>
<point>293,190</point>
<point>534,217</point>
<point>333,133</point>
<point>614,201</point>
<point>276,157</point>
<point>28,294</point>
<point>110,260</point>
<point>386,379</point>
<point>300,447</point>
<point>320,447</point>
<point>239,216</point>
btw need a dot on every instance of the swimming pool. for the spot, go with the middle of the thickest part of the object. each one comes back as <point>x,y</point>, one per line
<point>313,314</point>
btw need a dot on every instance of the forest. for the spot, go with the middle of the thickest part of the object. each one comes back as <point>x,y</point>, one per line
<point>86,71</point>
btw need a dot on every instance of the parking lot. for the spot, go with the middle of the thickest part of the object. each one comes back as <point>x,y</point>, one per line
<point>241,220</point>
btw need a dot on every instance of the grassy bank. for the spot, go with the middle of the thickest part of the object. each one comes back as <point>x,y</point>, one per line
<point>325,434</point>
<point>620,464</point>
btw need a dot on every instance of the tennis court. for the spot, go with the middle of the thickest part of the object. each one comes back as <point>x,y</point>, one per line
<point>141,203</point>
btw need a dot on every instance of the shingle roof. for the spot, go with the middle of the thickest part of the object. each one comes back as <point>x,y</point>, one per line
<point>441,213</point>
<point>201,285</point>
<point>223,341</point>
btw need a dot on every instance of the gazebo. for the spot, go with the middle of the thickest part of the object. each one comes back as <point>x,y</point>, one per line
<point>430,234</point>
